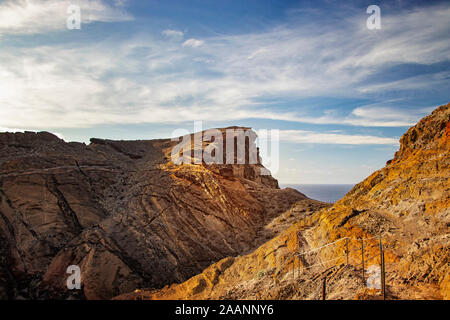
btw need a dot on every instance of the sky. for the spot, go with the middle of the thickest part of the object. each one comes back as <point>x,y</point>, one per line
<point>341,94</point>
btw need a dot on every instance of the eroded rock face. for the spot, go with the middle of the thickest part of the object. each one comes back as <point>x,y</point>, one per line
<point>124,213</point>
<point>406,204</point>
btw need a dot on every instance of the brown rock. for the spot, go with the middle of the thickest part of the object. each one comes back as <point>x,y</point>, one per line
<point>407,204</point>
<point>124,213</point>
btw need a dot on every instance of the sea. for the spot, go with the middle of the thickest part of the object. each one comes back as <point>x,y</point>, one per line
<point>323,192</point>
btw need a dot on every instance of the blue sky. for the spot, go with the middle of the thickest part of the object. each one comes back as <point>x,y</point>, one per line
<point>340,94</point>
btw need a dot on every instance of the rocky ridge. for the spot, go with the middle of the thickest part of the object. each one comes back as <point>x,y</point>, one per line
<point>406,204</point>
<point>125,214</point>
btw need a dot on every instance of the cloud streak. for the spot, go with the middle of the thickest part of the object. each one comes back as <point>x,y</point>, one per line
<point>193,43</point>
<point>41,16</point>
<point>226,78</point>
<point>173,33</point>
<point>301,136</point>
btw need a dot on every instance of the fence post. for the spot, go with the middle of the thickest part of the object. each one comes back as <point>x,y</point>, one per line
<point>346,244</point>
<point>381,267</point>
<point>362,259</point>
<point>324,288</point>
<point>383,276</point>
<point>275,267</point>
<point>260,266</point>
<point>293,268</point>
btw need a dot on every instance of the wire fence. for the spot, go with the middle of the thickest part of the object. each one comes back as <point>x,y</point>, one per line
<point>364,254</point>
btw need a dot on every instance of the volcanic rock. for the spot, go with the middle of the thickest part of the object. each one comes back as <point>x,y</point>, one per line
<point>405,205</point>
<point>124,213</point>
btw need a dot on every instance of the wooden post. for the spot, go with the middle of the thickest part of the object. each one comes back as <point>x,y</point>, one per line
<point>293,268</point>
<point>346,244</point>
<point>381,267</point>
<point>362,260</point>
<point>258,272</point>
<point>383,276</point>
<point>324,288</point>
<point>275,265</point>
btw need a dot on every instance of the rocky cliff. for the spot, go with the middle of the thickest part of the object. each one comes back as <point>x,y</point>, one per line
<point>405,204</point>
<point>125,214</point>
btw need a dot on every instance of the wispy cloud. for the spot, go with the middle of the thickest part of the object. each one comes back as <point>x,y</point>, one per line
<point>374,115</point>
<point>149,80</point>
<point>173,33</point>
<point>40,16</point>
<point>194,43</point>
<point>301,136</point>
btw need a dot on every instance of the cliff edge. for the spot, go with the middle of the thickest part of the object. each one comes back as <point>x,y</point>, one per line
<point>124,213</point>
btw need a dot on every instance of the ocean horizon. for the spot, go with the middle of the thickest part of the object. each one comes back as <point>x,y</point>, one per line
<point>323,192</point>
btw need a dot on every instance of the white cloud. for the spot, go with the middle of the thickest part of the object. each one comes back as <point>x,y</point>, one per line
<point>120,3</point>
<point>301,136</point>
<point>433,81</point>
<point>379,113</point>
<point>173,33</point>
<point>40,16</point>
<point>193,43</point>
<point>375,115</point>
<point>146,80</point>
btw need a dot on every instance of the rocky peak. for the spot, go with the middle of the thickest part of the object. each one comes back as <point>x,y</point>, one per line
<point>406,204</point>
<point>124,213</point>
<point>27,138</point>
<point>430,132</point>
<point>246,164</point>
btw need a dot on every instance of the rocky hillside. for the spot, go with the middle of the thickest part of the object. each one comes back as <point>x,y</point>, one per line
<point>125,214</point>
<point>406,204</point>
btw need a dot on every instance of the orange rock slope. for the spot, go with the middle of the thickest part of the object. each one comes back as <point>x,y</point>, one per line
<point>406,204</point>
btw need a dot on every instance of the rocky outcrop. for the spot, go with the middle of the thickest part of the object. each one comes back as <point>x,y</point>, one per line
<point>125,214</point>
<point>406,204</point>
